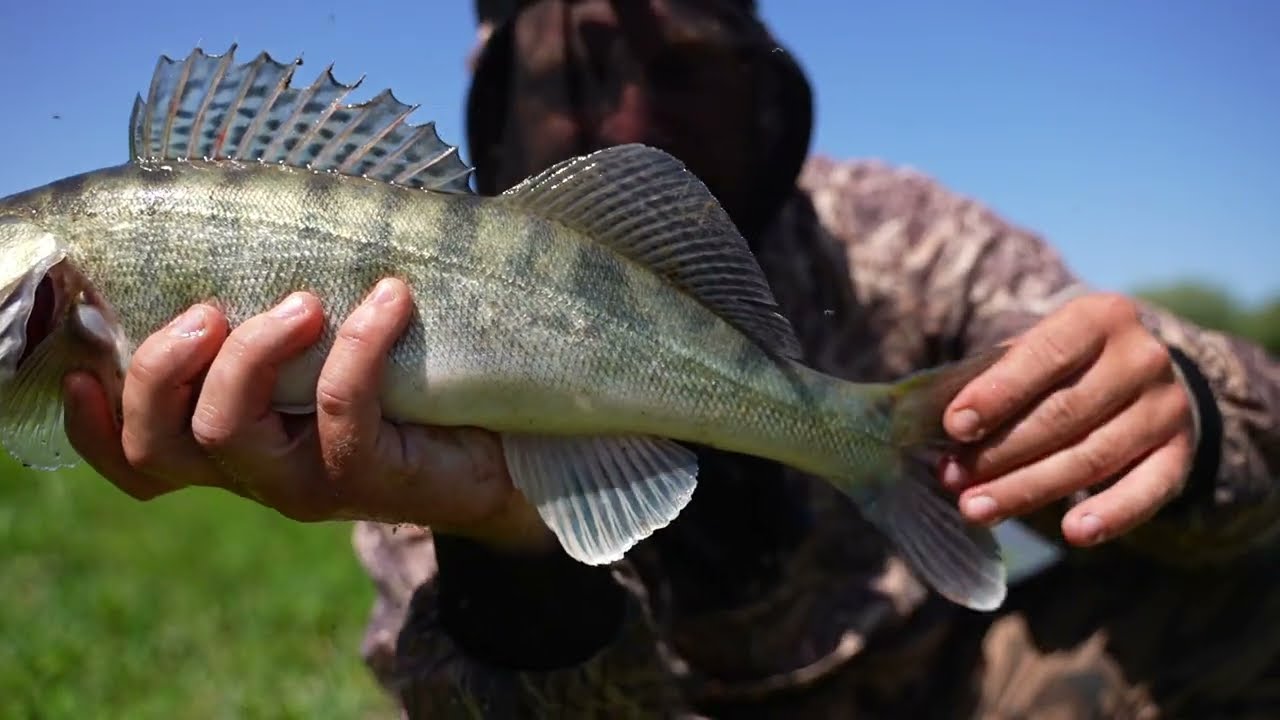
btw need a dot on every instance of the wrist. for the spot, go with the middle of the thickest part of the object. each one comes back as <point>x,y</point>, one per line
<point>1202,471</point>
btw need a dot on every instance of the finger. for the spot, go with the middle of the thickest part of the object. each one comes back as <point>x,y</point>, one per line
<point>1045,355</point>
<point>91,427</point>
<point>453,479</point>
<point>348,407</point>
<point>158,390</point>
<point>233,420</point>
<point>1151,421</point>
<point>1137,496</point>
<point>1085,401</point>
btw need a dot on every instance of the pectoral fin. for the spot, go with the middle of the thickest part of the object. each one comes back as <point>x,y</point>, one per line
<point>31,417</point>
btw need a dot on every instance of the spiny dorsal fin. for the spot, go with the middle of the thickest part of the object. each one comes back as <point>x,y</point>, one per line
<point>644,204</point>
<point>208,107</point>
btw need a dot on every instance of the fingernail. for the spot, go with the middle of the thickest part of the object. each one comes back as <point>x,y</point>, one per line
<point>967,424</point>
<point>953,476</point>
<point>385,292</point>
<point>291,307</point>
<point>188,324</point>
<point>1090,527</point>
<point>980,508</point>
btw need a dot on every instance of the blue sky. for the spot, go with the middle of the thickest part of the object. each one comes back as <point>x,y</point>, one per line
<point>1141,138</point>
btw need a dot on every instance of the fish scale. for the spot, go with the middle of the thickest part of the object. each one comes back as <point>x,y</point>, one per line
<point>600,317</point>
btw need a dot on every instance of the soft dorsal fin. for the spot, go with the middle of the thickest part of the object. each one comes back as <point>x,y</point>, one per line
<point>208,107</point>
<point>644,204</point>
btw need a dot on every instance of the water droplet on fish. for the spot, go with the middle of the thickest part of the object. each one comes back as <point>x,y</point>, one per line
<point>829,313</point>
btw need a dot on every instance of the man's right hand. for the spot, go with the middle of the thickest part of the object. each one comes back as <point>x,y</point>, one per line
<point>196,408</point>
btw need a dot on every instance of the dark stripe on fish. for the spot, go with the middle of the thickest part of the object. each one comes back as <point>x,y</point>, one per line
<point>527,247</point>
<point>459,224</point>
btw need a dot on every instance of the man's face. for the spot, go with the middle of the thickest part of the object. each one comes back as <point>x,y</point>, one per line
<point>665,73</point>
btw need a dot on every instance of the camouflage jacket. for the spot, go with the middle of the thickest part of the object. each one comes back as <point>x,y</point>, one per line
<point>770,597</point>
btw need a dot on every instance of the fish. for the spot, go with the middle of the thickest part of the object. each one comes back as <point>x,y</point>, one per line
<point>602,317</point>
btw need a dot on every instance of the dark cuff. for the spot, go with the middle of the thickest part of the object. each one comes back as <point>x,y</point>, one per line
<point>1202,480</point>
<point>525,612</point>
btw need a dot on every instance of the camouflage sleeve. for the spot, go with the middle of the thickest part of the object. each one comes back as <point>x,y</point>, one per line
<point>1231,505</point>
<point>943,275</point>
<point>504,654</point>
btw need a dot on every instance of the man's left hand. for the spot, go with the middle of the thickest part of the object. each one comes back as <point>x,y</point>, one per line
<point>1086,396</point>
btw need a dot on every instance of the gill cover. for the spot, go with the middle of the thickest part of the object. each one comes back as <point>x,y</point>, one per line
<point>31,427</point>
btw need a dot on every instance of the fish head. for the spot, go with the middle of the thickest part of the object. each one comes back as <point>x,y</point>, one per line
<point>45,298</point>
<point>51,322</point>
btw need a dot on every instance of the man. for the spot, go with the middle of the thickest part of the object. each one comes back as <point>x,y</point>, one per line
<point>1153,445</point>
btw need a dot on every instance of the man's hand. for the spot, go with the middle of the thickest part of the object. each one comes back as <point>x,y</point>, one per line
<point>197,411</point>
<point>1086,396</point>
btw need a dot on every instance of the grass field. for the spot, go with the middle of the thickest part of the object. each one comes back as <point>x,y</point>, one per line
<point>197,605</point>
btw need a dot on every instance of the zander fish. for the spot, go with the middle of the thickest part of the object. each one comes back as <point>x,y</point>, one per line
<point>597,315</point>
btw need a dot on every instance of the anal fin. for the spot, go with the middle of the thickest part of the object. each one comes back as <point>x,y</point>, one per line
<point>600,495</point>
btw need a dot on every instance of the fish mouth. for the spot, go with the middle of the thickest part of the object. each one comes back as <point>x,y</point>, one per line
<point>43,318</point>
<point>33,311</point>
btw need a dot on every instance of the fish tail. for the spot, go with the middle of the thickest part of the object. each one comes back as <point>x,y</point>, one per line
<point>961,561</point>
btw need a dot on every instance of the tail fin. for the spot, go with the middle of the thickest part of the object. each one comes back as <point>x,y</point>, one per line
<point>961,561</point>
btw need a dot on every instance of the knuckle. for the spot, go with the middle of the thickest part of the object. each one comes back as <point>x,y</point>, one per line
<point>360,330</point>
<point>1153,358</point>
<point>334,397</point>
<point>1052,353</point>
<point>211,428</point>
<point>361,321</point>
<point>1094,459</point>
<point>1172,487</point>
<point>1168,488</point>
<point>1061,408</point>
<point>1177,402</point>
<point>1147,501</point>
<point>149,366</point>
<point>140,452</point>
<point>1022,501</point>
<point>1115,308</point>
<point>243,340</point>
<point>1015,497</point>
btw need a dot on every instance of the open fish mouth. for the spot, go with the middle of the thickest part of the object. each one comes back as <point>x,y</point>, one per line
<point>42,320</point>
<point>39,305</point>
<point>44,302</point>
<point>28,315</point>
<point>29,291</point>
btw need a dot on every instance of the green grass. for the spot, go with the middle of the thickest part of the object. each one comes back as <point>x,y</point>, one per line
<point>196,605</point>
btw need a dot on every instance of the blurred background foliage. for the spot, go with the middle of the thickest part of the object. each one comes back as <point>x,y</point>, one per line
<point>1214,307</point>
